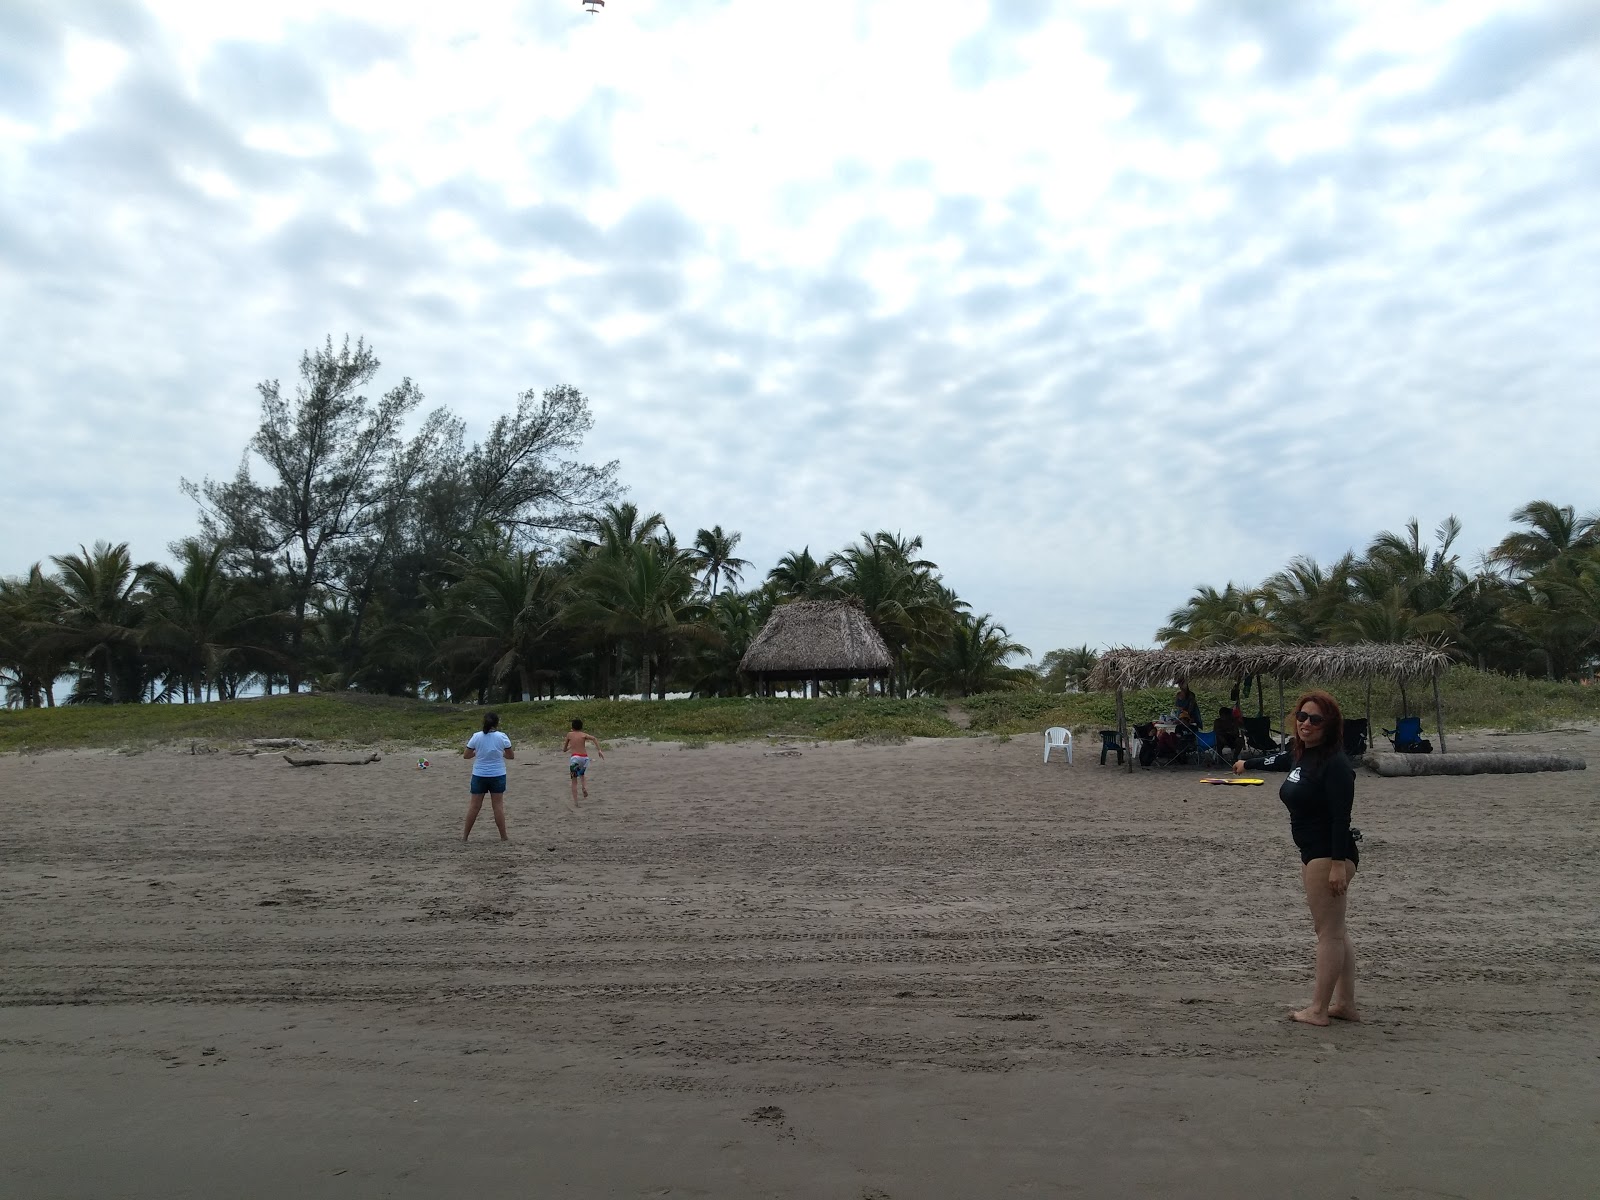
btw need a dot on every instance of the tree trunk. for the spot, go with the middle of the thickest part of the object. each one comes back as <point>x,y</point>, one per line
<point>527,684</point>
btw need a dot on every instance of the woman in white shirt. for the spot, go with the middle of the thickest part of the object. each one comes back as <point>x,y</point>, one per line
<point>489,752</point>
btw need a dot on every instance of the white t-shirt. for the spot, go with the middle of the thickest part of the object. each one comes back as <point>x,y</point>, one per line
<point>491,756</point>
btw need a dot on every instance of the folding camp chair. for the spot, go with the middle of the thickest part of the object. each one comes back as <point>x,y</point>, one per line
<point>1258,732</point>
<point>1407,736</point>
<point>1205,747</point>
<point>1179,745</point>
<point>1355,736</point>
<point>1189,742</point>
<point>1058,737</point>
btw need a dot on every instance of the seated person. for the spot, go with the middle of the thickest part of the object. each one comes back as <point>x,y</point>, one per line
<point>1230,734</point>
<point>1186,706</point>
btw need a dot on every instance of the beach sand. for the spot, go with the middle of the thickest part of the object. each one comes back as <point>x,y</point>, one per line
<point>939,969</point>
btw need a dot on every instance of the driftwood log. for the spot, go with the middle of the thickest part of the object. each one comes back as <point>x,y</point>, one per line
<point>1486,763</point>
<point>332,762</point>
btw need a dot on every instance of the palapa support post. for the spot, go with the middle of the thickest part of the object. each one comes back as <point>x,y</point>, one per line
<point>1283,713</point>
<point>1438,709</point>
<point>1122,730</point>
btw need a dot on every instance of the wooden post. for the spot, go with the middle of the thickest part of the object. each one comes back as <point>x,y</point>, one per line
<point>1122,730</point>
<point>1438,709</point>
<point>1283,713</point>
<point>1369,710</point>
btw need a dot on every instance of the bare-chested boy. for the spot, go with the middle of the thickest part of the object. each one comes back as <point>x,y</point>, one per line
<point>576,748</point>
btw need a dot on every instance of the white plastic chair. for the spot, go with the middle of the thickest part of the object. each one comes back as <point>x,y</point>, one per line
<point>1058,737</point>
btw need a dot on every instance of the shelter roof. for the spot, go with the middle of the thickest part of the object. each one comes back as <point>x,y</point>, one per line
<point>810,637</point>
<point>1130,668</point>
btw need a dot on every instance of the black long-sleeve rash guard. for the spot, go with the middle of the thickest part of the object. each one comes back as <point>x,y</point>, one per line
<point>1319,796</point>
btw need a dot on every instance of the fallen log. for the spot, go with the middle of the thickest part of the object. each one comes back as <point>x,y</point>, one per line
<point>278,744</point>
<point>1397,766</point>
<point>332,762</point>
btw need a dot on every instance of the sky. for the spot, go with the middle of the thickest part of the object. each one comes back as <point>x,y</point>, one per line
<point>1103,300</point>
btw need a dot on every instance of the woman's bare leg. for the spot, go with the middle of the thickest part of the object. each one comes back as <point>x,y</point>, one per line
<point>497,805</point>
<point>1327,917</point>
<point>1344,1007</point>
<point>474,806</point>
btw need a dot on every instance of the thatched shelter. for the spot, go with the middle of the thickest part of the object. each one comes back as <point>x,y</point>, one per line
<point>813,640</point>
<point>1406,662</point>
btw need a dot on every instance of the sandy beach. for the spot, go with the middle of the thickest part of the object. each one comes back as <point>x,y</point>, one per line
<point>939,969</point>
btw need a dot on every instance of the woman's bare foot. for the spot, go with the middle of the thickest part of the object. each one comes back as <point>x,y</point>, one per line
<point>1341,1011</point>
<point>1307,1016</point>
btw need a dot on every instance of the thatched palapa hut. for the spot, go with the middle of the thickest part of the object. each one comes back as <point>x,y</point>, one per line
<point>813,640</point>
<point>1405,662</point>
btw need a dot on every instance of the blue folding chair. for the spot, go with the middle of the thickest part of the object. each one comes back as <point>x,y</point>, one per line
<point>1205,745</point>
<point>1407,737</point>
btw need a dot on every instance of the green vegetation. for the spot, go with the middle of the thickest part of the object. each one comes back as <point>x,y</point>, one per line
<point>346,557</point>
<point>1473,700</point>
<point>1532,607</point>
<point>396,721</point>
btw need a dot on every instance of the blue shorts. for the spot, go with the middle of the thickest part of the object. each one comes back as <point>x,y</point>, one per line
<point>488,783</point>
<point>578,765</point>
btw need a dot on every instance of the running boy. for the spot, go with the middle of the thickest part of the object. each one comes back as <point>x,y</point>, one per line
<point>576,748</point>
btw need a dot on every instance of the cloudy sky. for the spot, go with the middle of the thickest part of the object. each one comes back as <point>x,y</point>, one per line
<point>1104,300</point>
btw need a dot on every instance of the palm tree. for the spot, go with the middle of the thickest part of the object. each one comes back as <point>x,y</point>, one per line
<point>99,620</point>
<point>1559,608</point>
<point>31,655</point>
<point>505,614</point>
<point>713,555</point>
<point>971,658</point>
<point>1302,600</point>
<point>1066,670</point>
<point>712,667</point>
<point>1233,616</point>
<point>644,597</point>
<point>799,576</point>
<point>198,622</point>
<point>619,527</point>
<point>1553,530</point>
<point>1402,590</point>
<point>901,596</point>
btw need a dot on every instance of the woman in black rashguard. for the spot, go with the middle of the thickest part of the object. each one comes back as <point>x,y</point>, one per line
<point>1319,794</point>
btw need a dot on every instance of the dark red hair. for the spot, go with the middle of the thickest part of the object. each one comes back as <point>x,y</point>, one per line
<point>1332,726</point>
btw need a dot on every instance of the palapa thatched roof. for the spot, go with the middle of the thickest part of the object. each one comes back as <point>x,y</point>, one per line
<point>1405,661</point>
<point>817,639</point>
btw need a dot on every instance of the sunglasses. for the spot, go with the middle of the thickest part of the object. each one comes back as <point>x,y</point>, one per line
<point>1312,719</point>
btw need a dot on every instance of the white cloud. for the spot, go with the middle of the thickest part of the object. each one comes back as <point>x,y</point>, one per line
<point>1099,298</point>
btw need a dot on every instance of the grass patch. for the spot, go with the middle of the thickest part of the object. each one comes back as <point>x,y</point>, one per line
<point>1472,700</point>
<point>883,738</point>
<point>390,721</point>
